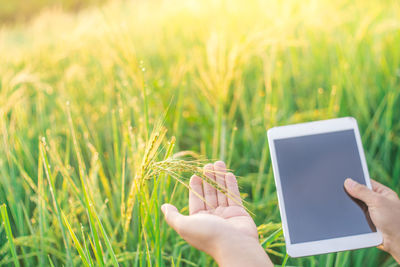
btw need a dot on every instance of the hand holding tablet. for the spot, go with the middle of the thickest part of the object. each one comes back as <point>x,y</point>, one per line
<point>311,162</point>
<point>322,210</point>
<point>384,208</point>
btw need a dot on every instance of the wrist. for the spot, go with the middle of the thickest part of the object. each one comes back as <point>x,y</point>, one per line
<point>396,255</point>
<point>392,246</point>
<point>240,251</point>
<point>395,251</point>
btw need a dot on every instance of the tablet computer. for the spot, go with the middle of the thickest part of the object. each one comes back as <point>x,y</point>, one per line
<point>310,162</point>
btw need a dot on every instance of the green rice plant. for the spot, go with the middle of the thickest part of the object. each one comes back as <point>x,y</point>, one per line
<point>218,74</point>
<point>93,217</point>
<point>7,226</point>
<point>82,254</point>
<point>50,180</point>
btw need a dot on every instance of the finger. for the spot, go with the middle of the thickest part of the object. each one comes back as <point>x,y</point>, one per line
<point>233,190</point>
<point>196,204</point>
<point>382,189</point>
<point>173,217</point>
<point>220,171</point>
<point>359,191</point>
<point>210,193</point>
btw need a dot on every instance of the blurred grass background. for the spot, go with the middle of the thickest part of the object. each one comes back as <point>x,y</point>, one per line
<point>81,93</point>
<point>18,11</point>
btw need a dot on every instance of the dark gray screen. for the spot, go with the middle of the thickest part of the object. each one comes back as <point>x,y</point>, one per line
<point>312,170</point>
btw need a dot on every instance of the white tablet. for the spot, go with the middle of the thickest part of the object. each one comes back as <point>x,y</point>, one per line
<point>311,161</point>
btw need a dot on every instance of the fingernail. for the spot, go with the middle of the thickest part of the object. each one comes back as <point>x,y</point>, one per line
<point>350,183</point>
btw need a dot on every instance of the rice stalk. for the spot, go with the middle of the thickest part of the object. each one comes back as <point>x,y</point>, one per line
<point>53,193</point>
<point>151,152</point>
<point>7,226</point>
<point>82,254</point>
<point>88,204</point>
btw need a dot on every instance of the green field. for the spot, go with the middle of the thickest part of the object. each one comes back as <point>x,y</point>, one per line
<point>97,108</point>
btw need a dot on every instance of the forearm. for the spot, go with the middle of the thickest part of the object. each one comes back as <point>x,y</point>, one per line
<point>241,252</point>
<point>391,243</point>
<point>395,252</point>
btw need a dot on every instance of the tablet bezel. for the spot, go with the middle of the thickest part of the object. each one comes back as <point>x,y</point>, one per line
<point>326,245</point>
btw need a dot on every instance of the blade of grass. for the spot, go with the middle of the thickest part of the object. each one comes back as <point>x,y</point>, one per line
<point>285,260</point>
<point>7,226</point>
<point>87,251</point>
<point>106,239</point>
<point>82,254</point>
<point>88,204</point>
<point>53,193</point>
<point>41,209</point>
<point>50,261</point>
<point>231,145</point>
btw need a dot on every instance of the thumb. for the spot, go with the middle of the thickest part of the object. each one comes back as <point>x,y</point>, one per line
<point>173,217</point>
<point>359,191</point>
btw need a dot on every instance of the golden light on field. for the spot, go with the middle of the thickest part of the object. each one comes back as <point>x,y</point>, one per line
<point>155,87</point>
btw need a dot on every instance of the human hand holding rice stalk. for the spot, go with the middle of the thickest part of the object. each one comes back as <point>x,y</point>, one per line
<point>218,223</point>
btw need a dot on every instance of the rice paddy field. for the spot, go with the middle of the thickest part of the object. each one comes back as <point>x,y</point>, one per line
<point>106,112</point>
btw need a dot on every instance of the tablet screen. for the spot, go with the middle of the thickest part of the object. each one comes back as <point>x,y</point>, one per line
<point>312,171</point>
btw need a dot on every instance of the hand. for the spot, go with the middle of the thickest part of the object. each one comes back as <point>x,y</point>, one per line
<point>384,209</point>
<point>222,228</point>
